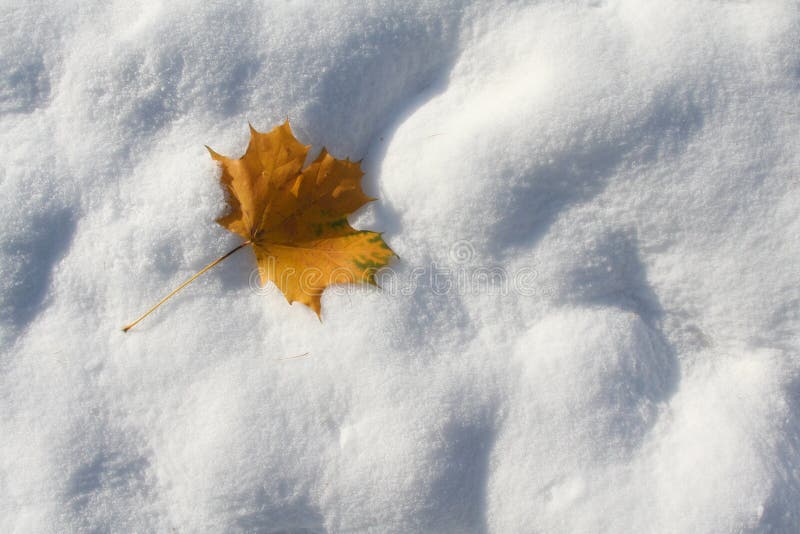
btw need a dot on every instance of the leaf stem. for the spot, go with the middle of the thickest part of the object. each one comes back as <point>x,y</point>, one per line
<point>186,283</point>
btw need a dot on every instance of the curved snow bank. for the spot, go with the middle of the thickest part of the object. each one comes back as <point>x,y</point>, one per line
<point>593,325</point>
<point>589,436</point>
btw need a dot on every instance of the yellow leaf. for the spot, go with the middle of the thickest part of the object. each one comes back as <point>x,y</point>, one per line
<point>295,219</point>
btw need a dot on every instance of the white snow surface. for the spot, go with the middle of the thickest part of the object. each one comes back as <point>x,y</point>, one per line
<point>593,325</point>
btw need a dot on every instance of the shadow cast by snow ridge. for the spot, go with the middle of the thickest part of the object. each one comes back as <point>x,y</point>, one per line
<point>24,84</point>
<point>378,79</point>
<point>612,275</point>
<point>582,171</point>
<point>780,511</point>
<point>33,255</point>
<point>460,491</point>
<point>277,516</point>
<point>108,469</point>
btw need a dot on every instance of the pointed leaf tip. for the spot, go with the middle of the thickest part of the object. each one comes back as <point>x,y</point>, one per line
<point>214,155</point>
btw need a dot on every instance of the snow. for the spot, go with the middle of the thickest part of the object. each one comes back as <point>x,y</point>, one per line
<point>593,325</point>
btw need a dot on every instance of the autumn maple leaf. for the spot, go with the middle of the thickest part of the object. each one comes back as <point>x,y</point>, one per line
<point>295,219</point>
